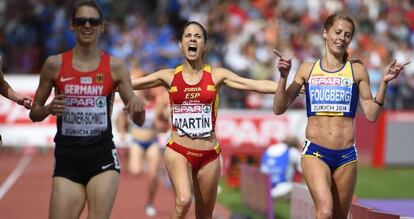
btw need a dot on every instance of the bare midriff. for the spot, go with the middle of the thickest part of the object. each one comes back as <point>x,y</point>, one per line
<point>331,132</point>
<point>143,134</point>
<point>206,143</point>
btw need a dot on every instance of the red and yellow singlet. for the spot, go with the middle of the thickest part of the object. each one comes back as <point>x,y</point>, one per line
<point>193,107</point>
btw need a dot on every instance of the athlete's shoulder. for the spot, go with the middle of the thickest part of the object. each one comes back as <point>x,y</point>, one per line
<point>357,65</point>
<point>53,63</point>
<point>305,69</point>
<point>116,62</point>
<point>306,65</point>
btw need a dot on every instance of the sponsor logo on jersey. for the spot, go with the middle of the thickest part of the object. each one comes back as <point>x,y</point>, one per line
<point>188,108</point>
<point>192,89</point>
<point>63,79</point>
<point>327,81</point>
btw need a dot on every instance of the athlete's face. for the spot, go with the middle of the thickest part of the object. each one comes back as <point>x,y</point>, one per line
<point>87,25</point>
<point>193,44</point>
<point>338,36</point>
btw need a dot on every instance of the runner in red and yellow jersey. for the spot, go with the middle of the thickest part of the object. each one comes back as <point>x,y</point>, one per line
<point>192,153</point>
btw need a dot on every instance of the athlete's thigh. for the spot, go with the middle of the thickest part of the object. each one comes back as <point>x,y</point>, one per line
<point>319,180</point>
<point>101,192</point>
<point>67,199</point>
<point>135,155</point>
<point>343,186</point>
<point>205,187</point>
<point>179,171</point>
<point>153,156</point>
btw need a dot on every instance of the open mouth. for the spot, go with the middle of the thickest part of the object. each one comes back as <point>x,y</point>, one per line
<point>192,49</point>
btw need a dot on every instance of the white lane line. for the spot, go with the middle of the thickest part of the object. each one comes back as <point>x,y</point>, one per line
<point>17,172</point>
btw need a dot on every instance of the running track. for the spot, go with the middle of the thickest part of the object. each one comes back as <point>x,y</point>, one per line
<point>25,184</point>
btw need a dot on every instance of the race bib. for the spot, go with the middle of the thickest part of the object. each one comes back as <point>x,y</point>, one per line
<point>193,120</point>
<point>84,116</point>
<point>330,98</point>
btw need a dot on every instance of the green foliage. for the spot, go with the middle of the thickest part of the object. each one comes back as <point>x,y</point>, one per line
<point>385,183</point>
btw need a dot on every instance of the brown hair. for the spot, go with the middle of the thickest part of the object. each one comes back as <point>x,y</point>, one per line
<point>90,3</point>
<point>196,23</point>
<point>339,16</point>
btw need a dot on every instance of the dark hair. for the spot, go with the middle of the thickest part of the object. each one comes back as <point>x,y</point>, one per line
<point>90,3</point>
<point>196,23</point>
<point>339,16</point>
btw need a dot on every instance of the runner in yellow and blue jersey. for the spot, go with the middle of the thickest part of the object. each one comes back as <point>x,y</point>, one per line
<point>334,85</point>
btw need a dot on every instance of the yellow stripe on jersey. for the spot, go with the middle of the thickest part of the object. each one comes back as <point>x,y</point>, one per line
<point>179,69</point>
<point>173,89</point>
<point>329,113</point>
<point>211,88</point>
<point>346,71</point>
<point>216,104</point>
<point>207,68</point>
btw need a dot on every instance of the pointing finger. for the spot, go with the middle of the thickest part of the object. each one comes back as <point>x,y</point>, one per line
<point>403,65</point>
<point>277,53</point>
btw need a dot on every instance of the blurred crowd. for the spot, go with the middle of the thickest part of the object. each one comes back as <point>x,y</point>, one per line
<point>242,34</point>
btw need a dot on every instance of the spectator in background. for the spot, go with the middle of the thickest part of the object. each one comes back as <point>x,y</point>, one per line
<point>84,79</point>
<point>144,152</point>
<point>282,161</point>
<point>38,29</point>
<point>9,93</point>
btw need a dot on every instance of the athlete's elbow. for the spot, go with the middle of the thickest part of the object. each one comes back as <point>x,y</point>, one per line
<point>372,118</point>
<point>34,118</point>
<point>138,118</point>
<point>278,110</point>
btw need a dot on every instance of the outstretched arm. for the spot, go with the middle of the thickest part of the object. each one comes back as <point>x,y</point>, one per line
<point>133,104</point>
<point>7,91</point>
<point>372,106</point>
<point>156,79</point>
<point>232,80</point>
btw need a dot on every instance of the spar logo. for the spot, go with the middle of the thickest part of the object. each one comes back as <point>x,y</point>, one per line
<point>196,108</point>
<point>100,102</point>
<point>329,81</point>
<point>346,82</point>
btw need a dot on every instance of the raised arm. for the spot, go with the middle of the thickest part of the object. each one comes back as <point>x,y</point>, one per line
<point>134,104</point>
<point>160,78</point>
<point>7,91</point>
<point>372,106</point>
<point>284,97</point>
<point>56,107</point>
<point>232,80</point>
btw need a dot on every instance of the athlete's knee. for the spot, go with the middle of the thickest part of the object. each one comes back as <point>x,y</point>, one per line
<point>324,213</point>
<point>183,203</point>
<point>134,171</point>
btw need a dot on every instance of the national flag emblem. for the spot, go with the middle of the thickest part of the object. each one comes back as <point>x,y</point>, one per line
<point>99,78</point>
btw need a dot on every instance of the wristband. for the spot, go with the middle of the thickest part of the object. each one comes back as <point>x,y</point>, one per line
<point>378,103</point>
